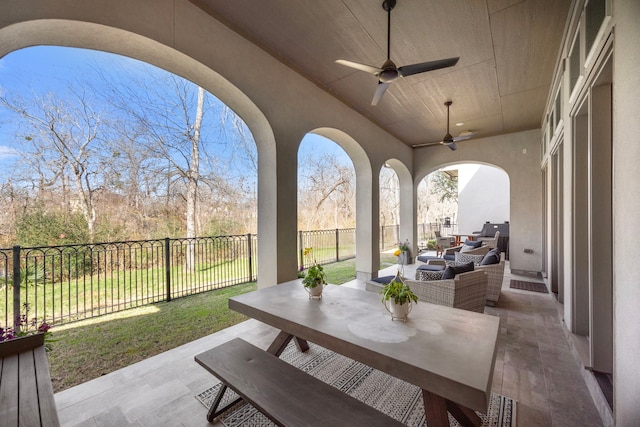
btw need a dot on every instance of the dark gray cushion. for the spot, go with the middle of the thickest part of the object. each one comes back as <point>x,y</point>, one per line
<point>449,257</point>
<point>425,258</point>
<point>451,271</point>
<point>384,279</point>
<point>492,257</point>
<point>473,243</point>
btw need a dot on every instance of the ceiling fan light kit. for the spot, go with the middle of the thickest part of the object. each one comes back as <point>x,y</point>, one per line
<point>389,73</point>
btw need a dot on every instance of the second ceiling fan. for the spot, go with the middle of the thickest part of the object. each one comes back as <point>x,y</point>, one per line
<point>389,73</point>
<point>449,140</point>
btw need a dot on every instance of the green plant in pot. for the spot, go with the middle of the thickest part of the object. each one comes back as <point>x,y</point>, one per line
<point>397,298</point>
<point>315,278</point>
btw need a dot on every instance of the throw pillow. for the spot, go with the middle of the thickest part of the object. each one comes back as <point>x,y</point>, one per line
<point>429,275</point>
<point>475,259</point>
<point>451,271</point>
<point>492,257</point>
<point>473,243</point>
<point>466,248</point>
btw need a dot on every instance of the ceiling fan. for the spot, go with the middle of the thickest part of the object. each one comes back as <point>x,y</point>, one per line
<point>449,140</point>
<point>389,73</point>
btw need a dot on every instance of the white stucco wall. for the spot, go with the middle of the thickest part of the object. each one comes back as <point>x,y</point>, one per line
<point>626,209</point>
<point>483,195</point>
<point>518,154</point>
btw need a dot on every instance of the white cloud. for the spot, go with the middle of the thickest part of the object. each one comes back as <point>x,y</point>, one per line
<point>6,151</point>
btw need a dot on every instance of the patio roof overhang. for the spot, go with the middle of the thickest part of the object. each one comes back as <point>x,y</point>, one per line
<point>281,100</point>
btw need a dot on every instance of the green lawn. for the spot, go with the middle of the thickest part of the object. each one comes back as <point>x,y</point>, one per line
<point>90,348</point>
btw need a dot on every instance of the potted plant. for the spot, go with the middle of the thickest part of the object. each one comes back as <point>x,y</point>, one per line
<point>315,278</point>
<point>397,298</point>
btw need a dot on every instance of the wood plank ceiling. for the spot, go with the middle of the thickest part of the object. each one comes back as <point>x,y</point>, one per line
<point>507,49</point>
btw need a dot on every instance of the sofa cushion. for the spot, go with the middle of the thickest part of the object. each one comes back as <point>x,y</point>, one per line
<point>464,258</point>
<point>451,271</point>
<point>492,257</point>
<point>449,257</point>
<point>426,258</point>
<point>384,279</point>
<point>426,275</point>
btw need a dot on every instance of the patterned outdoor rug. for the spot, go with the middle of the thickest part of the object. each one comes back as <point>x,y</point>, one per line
<point>398,399</point>
<point>529,286</point>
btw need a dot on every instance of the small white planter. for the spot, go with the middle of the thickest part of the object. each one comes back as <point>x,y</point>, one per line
<point>316,292</point>
<point>398,311</point>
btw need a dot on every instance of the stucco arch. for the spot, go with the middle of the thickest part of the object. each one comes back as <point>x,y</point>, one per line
<point>525,193</point>
<point>365,200</point>
<point>89,35</point>
<point>408,197</point>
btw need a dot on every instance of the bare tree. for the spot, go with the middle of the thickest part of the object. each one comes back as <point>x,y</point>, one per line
<point>326,193</point>
<point>62,134</point>
<point>389,197</point>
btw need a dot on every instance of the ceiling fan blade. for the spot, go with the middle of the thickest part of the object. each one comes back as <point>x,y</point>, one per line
<point>382,88</point>
<point>452,146</point>
<point>426,144</point>
<point>362,67</point>
<point>464,135</point>
<point>408,70</point>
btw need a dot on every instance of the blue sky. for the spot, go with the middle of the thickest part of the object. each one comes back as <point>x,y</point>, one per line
<point>43,69</point>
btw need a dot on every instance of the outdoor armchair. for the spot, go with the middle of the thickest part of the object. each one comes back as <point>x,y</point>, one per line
<point>467,291</point>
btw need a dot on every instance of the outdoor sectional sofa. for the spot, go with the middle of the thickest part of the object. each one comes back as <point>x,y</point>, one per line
<point>495,274</point>
<point>467,291</point>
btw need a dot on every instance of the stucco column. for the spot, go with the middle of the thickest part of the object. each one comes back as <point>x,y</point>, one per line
<point>278,211</point>
<point>367,225</point>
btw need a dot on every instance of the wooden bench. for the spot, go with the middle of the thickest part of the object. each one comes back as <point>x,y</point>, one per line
<point>284,393</point>
<point>26,393</point>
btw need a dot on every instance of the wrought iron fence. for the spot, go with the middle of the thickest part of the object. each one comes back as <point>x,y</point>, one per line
<point>327,246</point>
<point>73,282</point>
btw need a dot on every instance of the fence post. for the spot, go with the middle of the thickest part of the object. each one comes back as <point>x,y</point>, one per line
<point>337,246</point>
<point>167,266</point>
<point>250,258</point>
<point>300,245</point>
<point>16,288</point>
<point>382,244</point>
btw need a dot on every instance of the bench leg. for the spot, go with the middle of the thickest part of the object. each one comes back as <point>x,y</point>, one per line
<point>214,411</point>
<point>280,343</point>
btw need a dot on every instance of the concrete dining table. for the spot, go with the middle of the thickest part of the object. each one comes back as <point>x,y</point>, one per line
<point>447,352</point>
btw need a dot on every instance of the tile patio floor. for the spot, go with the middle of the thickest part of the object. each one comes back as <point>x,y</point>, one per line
<point>535,366</point>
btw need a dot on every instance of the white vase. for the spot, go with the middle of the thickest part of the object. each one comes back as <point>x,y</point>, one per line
<point>402,258</point>
<point>315,292</point>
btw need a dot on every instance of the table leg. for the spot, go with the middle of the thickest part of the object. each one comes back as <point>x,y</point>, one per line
<point>280,343</point>
<point>435,410</point>
<point>465,416</point>
<point>436,407</point>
